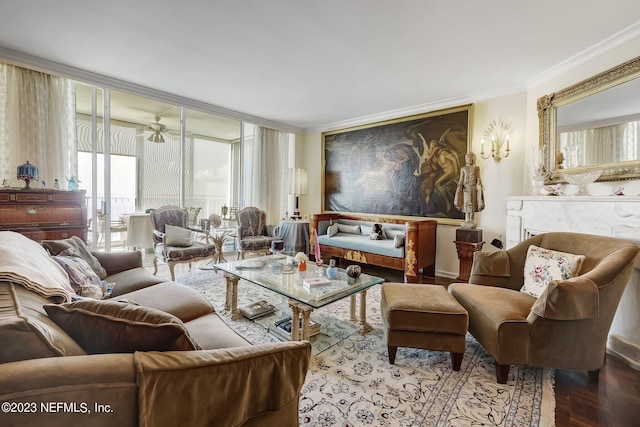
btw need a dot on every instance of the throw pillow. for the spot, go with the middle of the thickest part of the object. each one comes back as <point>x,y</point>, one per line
<point>398,240</point>
<point>177,236</point>
<point>82,278</point>
<point>105,326</point>
<point>366,230</point>
<point>56,246</point>
<point>350,229</point>
<point>542,265</point>
<point>391,233</point>
<point>332,230</point>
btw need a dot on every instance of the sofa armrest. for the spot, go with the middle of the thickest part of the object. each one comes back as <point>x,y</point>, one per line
<point>573,299</point>
<point>80,382</point>
<point>224,387</point>
<point>115,262</point>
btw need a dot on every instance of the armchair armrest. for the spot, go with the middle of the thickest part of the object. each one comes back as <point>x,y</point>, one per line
<point>573,299</point>
<point>494,269</point>
<point>115,262</point>
<point>246,382</point>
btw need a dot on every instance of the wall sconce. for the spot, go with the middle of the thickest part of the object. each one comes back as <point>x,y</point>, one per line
<point>498,133</point>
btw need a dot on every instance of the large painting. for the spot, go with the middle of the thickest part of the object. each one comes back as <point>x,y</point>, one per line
<point>408,166</point>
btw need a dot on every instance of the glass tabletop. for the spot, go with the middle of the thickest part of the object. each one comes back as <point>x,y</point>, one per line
<point>277,274</point>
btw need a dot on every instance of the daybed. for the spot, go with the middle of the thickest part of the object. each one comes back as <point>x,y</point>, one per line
<point>407,244</point>
<point>84,368</point>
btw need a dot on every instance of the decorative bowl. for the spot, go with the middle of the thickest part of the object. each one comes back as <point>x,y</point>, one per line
<point>582,179</point>
<point>354,271</point>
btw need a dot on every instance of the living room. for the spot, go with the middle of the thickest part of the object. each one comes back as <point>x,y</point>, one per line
<point>515,102</point>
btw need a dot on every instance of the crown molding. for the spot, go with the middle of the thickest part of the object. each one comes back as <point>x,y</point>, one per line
<point>26,60</point>
<point>629,34</point>
<point>417,109</point>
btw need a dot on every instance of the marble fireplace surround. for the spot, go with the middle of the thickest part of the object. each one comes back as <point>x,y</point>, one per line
<point>615,216</point>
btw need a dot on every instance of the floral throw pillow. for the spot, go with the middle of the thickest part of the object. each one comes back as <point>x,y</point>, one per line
<point>544,265</point>
<point>82,278</point>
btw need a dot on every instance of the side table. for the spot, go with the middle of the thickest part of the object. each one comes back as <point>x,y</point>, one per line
<point>295,235</point>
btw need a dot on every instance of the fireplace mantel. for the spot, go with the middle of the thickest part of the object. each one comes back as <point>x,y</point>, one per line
<point>615,216</point>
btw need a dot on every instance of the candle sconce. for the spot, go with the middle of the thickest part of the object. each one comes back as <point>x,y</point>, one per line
<point>498,133</point>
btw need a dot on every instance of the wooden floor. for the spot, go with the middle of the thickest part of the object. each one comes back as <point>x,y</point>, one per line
<point>613,402</point>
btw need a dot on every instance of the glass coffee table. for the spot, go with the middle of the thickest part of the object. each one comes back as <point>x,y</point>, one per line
<point>276,274</point>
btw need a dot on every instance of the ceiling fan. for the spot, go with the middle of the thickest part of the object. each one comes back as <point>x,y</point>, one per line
<point>156,131</point>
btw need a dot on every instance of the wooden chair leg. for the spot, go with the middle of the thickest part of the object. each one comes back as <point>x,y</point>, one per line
<point>594,376</point>
<point>173,274</point>
<point>456,360</point>
<point>392,353</point>
<point>155,266</point>
<point>502,373</point>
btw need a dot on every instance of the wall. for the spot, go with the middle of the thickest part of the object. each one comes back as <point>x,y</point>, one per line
<point>500,179</point>
<point>510,177</point>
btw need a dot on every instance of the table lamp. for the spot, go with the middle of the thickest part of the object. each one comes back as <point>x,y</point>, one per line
<point>297,186</point>
<point>27,172</point>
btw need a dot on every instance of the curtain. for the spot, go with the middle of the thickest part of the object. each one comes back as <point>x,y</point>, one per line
<point>37,123</point>
<point>265,172</point>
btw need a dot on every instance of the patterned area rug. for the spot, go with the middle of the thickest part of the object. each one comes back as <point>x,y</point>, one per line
<point>351,383</point>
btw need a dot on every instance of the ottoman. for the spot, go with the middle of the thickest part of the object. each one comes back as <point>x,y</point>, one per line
<point>423,316</point>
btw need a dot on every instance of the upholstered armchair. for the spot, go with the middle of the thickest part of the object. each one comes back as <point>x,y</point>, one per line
<point>565,327</point>
<point>172,242</point>
<point>253,232</point>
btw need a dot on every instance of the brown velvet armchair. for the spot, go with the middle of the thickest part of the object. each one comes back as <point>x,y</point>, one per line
<point>567,326</point>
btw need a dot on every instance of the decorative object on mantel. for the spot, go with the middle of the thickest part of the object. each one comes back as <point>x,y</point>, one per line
<point>618,192</point>
<point>6,183</point>
<point>56,184</point>
<point>499,134</point>
<point>27,172</point>
<point>72,183</point>
<point>582,179</point>
<point>539,174</point>
<point>552,190</point>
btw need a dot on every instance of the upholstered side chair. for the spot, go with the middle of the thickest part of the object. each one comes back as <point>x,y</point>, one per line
<point>172,242</point>
<point>253,233</point>
<point>566,327</point>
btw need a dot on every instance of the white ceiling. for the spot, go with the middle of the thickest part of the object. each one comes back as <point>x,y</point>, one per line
<point>313,64</point>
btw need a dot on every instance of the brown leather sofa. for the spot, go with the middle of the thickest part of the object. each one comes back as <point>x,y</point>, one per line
<point>48,379</point>
<point>566,327</point>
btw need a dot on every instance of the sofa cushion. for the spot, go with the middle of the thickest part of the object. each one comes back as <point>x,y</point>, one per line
<point>332,230</point>
<point>25,330</point>
<point>398,240</point>
<point>131,280</point>
<point>212,333</point>
<point>174,298</point>
<point>56,246</point>
<point>177,236</point>
<point>106,326</point>
<point>362,243</point>
<point>82,278</point>
<point>544,265</point>
<point>350,229</point>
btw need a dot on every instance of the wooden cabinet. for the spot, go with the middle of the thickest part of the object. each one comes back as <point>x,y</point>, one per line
<point>44,214</point>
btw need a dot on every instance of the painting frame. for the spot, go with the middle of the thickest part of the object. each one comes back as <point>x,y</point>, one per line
<point>402,167</point>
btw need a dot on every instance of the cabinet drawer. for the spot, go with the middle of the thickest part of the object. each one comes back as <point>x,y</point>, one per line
<point>43,234</point>
<point>35,215</point>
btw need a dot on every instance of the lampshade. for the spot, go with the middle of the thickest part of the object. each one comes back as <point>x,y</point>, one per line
<point>28,172</point>
<point>297,181</point>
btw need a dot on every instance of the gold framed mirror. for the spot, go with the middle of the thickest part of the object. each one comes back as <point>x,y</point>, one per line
<point>594,124</point>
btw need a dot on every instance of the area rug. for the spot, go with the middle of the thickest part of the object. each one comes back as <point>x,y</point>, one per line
<point>351,383</point>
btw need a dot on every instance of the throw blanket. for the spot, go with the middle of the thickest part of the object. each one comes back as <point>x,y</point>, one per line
<point>26,262</point>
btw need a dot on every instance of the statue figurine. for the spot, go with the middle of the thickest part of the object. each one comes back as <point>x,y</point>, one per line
<point>72,183</point>
<point>469,197</point>
<point>56,184</point>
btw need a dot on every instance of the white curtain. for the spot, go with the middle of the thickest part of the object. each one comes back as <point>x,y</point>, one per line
<point>37,123</point>
<point>265,172</point>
